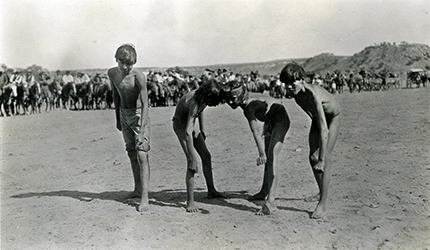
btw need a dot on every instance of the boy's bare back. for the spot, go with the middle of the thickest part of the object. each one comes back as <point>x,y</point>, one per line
<point>186,107</point>
<point>312,95</point>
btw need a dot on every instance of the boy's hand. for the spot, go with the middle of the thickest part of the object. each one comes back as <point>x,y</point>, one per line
<point>319,166</point>
<point>192,166</point>
<point>261,160</point>
<point>142,143</point>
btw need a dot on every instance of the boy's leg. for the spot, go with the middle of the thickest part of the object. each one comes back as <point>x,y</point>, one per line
<point>324,177</point>
<point>272,178</point>
<point>279,130</point>
<point>189,181</point>
<point>135,167</point>
<point>265,186</point>
<point>314,140</point>
<point>202,150</point>
<point>189,176</point>
<point>143,161</point>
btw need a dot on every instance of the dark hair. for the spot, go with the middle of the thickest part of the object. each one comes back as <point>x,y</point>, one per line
<point>291,73</point>
<point>208,93</point>
<point>126,54</point>
<point>232,88</point>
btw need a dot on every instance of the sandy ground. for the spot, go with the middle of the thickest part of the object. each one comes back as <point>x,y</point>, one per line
<point>64,173</point>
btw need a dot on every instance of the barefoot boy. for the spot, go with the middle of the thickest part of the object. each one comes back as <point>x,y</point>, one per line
<point>131,109</point>
<point>325,114</point>
<point>192,138</point>
<point>258,107</point>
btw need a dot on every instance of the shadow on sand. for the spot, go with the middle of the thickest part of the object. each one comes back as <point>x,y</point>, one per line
<point>169,197</point>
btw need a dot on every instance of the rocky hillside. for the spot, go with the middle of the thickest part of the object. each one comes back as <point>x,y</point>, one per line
<point>396,58</point>
<point>377,58</point>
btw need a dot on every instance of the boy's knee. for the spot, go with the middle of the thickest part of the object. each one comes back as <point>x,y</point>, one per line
<point>313,158</point>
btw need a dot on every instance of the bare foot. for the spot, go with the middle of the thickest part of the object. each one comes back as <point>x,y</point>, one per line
<point>268,208</point>
<point>192,208</point>
<point>319,213</point>
<point>258,196</point>
<point>143,206</point>
<point>313,198</point>
<point>216,194</point>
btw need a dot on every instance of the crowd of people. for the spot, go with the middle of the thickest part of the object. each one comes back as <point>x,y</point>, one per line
<point>27,91</point>
<point>32,90</point>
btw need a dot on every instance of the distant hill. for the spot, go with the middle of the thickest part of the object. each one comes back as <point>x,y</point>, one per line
<point>395,58</point>
<point>383,57</point>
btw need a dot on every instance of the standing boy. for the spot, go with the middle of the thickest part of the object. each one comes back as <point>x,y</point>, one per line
<point>325,114</point>
<point>131,109</point>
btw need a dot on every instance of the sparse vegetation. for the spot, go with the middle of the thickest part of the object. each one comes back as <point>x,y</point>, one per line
<point>387,56</point>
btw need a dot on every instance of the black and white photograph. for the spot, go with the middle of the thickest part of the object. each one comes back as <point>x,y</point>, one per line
<point>215,124</point>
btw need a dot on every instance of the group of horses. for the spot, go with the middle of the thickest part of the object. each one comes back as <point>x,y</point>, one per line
<point>334,83</point>
<point>22,99</point>
<point>375,83</point>
<point>168,92</point>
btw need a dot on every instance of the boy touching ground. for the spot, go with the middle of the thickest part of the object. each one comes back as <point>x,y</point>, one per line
<point>325,114</point>
<point>192,139</point>
<point>258,107</point>
<point>131,110</point>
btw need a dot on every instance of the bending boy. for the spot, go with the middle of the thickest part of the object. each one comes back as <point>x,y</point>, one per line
<point>192,139</point>
<point>258,107</point>
<point>325,114</point>
<point>131,109</point>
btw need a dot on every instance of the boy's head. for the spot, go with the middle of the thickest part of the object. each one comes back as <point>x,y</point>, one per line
<point>209,93</point>
<point>293,76</point>
<point>126,57</point>
<point>234,94</point>
<point>126,54</point>
<point>291,73</point>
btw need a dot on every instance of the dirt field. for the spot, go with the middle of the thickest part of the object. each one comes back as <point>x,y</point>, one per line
<point>63,175</point>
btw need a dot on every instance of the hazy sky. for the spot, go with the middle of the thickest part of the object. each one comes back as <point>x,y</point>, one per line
<point>84,34</point>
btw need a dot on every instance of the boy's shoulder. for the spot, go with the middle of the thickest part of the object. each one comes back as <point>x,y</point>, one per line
<point>314,88</point>
<point>113,70</point>
<point>137,72</point>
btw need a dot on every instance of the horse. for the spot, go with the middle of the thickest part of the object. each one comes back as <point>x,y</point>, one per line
<point>35,99</point>
<point>154,93</point>
<point>392,82</point>
<point>261,85</point>
<point>50,95</point>
<point>69,96</point>
<point>84,93</point>
<point>276,89</point>
<point>7,101</point>
<point>22,99</point>
<point>103,94</point>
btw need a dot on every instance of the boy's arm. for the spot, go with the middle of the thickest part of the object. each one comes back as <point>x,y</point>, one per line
<point>192,153</point>
<point>201,125</point>
<point>144,134</point>
<point>323,129</point>
<point>253,124</point>
<point>116,99</point>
